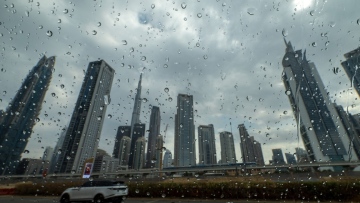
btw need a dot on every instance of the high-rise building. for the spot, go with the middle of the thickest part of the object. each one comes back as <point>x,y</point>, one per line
<point>49,151</point>
<point>139,153</point>
<point>83,134</point>
<point>250,149</point>
<point>184,154</point>
<point>167,159</point>
<point>21,115</point>
<point>290,158</point>
<point>124,152</point>
<point>154,132</point>
<point>301,155</point>
<point>227,148</point>
<point>278,157</point>
<point>207,149</point>
<point>159,152</point>
<point>121,132</point>
<point>137,108</point>
<point>105,164</point>
<point>321,130</point>
<point>351,65</point>
<point>54,163</point>
<point>139,131</point>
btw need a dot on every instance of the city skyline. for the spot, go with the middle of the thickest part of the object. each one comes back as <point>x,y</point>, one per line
<point>221,58</point>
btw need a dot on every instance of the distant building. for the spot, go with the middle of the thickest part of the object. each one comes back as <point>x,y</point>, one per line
<point>139,153</point>
<point>250,149</point>
<point>48,153</point>
<point>105,164</point>
<point>83,133</point>
<point>159,152</point>
<point>21,115</point>
<point>139,131</point>
<point>124,152</point>
<point>351,65</point>
<point>168,159</point>
<point>31,167</point>
<point>290,158</point>
<point>121,132</point>
<point>137,108</point>
<point>227,147</point>
<point>278,157</point>
<point>154,132</point>
<point>301,155</point>
<point>206,140</point>
<point>321,130</point>
<point>184,146</point>
<point>54,163</point>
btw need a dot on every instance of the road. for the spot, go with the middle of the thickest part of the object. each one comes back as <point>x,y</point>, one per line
<point>26,199</point>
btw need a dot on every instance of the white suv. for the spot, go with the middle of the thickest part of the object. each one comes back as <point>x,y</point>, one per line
<point>96,191</point>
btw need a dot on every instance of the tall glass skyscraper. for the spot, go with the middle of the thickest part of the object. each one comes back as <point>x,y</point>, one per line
<point>351,66</point>
<point>321,130</point>
<point>184,154</point>
<point>250,149</point>
<point>227,148</point>
<point>154,131</point>
<point>137,107</point>
<point>121,132</point>
<point>207,149</point>
<point>139,131</point>
<point>20,117</point>
<point>83,134</point>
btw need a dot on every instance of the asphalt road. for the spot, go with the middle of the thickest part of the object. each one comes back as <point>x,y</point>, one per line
<point>31,199</point>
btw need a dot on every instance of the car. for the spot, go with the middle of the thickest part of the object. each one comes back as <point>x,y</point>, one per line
<point>96,191</point>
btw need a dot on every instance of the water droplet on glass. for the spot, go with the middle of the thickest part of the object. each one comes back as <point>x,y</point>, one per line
<point>288,92</point>
<point>197,44</point>
<point>181,125</point>
<point>107,99</point>
<point>165,66</point>
<point>40,27</point>
<point>314,44</point>
<point>284,32</point>
<point>205,57</point>
<point>26,151</point>
<point>144,100</point>
<point>310,128</point>
<point>358,21</point>
<point>65,11</point>
<point>285,112</point>
<point>224,4</point>
<point>99,118</point>
<point>37,3</point>
<point>170,99</point>
<point>49,33</point>
<point>163,195</point>
<point>27,13</point>
<point>53,94</point>
<point>109,116</point>
<point>59,20</point>
<point>166,89</point>
<point>327,43</point>
<point>336,70</point>
<point>94,32</point>
<point>73,172</point>
<point>62,86</point>
<point>59,151</point>
<point>199,15</point>
<point>99,24</point>
<point>124,42</point>
<point>137,191</point>
<point>251,11</point>
<point>312,13</point>
<point>183,5</point>
<point>68,157</point>
<point>143,58</point>
<point>152,6</point>
<point>37,119</point>
<point>332,24</point>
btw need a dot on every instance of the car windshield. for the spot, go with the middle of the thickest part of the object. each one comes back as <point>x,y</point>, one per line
<point>129,90</point>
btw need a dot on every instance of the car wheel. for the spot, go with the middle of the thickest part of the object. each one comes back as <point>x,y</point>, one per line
<point>65,199</point>
<point>99,199</point>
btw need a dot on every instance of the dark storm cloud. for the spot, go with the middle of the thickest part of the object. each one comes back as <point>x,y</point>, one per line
<point>226,53</point>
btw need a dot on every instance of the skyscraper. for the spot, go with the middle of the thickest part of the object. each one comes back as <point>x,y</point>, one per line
<point>290,158</point>
<point>121,132</point>
<point>313,110</point>
<point>154,131</point>
<point>207,149</point>
<point>159,152</point>
<point>83,134</point>
<point>351,66</point>
<point>167,159</point>
<point>227,148</point>
<point>54,163</point>
<point>301,155</point>
<point>139,131</point>
<point>250,149</point>
<point>137,107</point>
<point>278,157</point>
<point>21,115</point>
<point>139,153</point>
<point>184,145</point>
<point>124,151</point>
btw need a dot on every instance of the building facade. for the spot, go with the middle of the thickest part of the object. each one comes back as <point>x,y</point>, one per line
<point>121,132</point>
<point>184,154</point>
<point>22,114</point>
<point>227,148</point>
<point>154,132</point>
<point>168,161</point>
<point>250,149</point>
<point>321,130</point>
<point>139,153</point>
<point>290,158</point>
<point>351,65</point>
<point>135,118</point>
<point>124,152</point>
<point>139,131</point>
<point>207,149</point>
<point>159,152</point>
<point>277,157</point>
<point>83,134</point>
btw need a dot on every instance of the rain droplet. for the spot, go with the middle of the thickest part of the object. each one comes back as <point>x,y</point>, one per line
<point>137,191</point>
<point>152,6</point>
<point>27,13</point>
<point>183,5</point>
<point>124,42</point>
<point>26,151</point>
<point>332,24</point>
<point>249,98</point>
<point>65,11</point>
<point>49,33</point>
<point>94,32</point>
<point>166,89</point>
<point>336,70</point>
<point>284,32</point>
<point>314,44</point>
<point>288,92</point>
<point>327,43</point>
<point>310,128</point>
<point>40,27</point>
<point>62,86</point>
<point>199,15</point>
<point>144,100</point>
<point>109,116</point>
<point>99,24</point>
<point>143,58</point>
<point>205,57</point>
<point>59,20</point>
<point>163,195</point>
<point>170,99</point>
<point>53,94</point>
<point>166,66</point>
<point>37,119</point>
<point>285,112</point>
<point>68,157</point>
<point>358,21</point>
<point>312,13</point>
<point>251,11</point>
<point>99,118</point>
<point>197,44</point>
<point>59,151</point>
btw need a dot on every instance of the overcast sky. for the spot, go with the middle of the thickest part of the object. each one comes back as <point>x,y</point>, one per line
<point>227,54</point>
